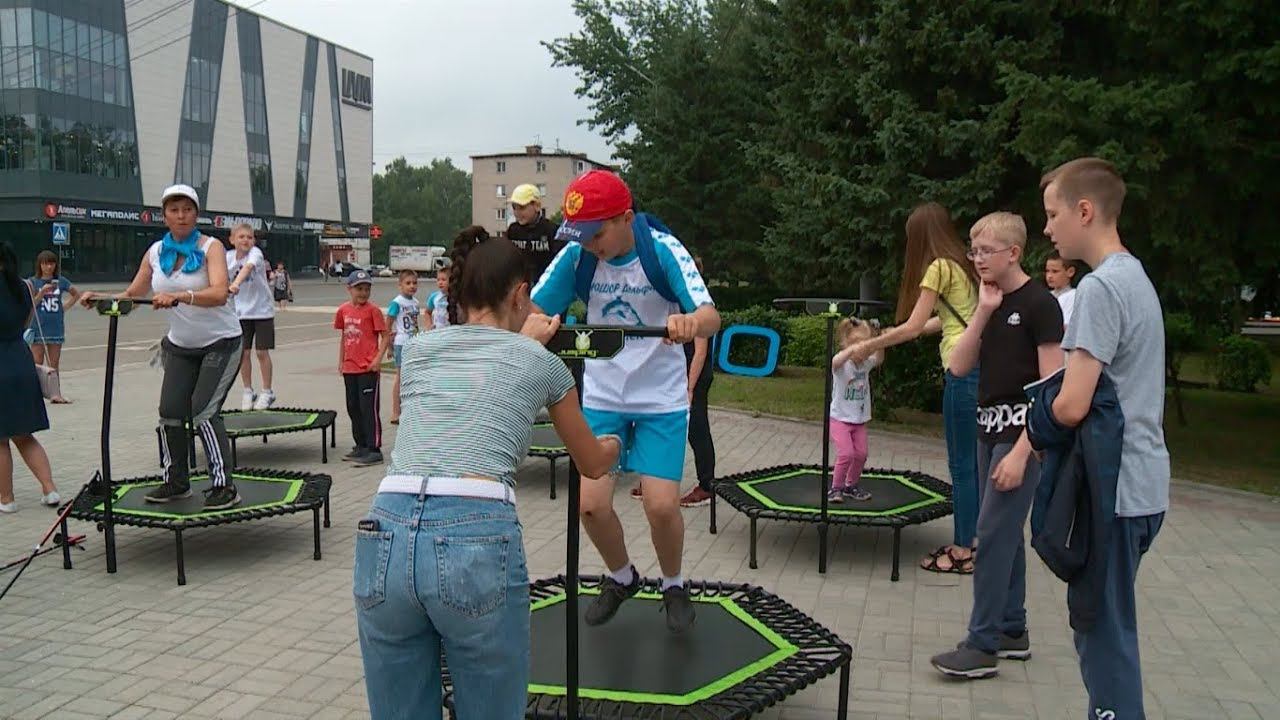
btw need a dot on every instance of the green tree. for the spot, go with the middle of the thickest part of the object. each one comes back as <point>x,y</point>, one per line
<point>420,205</point>
<point>676,88</point>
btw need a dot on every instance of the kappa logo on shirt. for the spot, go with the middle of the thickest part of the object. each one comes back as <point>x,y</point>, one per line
<point>1015,319</point>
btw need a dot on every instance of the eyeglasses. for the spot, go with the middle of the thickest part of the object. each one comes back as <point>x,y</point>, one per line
<point>983,253</point>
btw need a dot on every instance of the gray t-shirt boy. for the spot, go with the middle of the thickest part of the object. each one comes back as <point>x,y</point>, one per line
<point>1117,319</point>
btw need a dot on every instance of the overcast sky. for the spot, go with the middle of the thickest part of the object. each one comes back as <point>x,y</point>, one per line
<point>455,79</point>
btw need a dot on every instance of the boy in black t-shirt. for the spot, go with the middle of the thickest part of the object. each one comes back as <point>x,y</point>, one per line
<point>532,231</point>
<point>1014,338</point>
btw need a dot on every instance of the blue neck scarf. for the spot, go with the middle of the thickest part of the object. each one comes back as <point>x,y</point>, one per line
<point>171,248</point>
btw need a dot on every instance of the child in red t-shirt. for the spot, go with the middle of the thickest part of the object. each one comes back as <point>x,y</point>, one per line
<point>364,335</point>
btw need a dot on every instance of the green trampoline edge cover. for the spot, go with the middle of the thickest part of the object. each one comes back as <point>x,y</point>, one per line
<point>295,487</point>
<point>783,651</point>
<point>931,497</point>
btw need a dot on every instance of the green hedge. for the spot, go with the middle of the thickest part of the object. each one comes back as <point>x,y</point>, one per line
<point>1241,364</point>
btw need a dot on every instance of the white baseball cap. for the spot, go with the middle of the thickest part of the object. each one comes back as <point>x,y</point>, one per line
<point>185,191</point>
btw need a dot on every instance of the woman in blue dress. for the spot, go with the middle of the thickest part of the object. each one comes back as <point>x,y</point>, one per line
<point>24,413</point>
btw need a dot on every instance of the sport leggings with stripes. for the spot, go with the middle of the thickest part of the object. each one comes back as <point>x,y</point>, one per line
<point>196,381</point>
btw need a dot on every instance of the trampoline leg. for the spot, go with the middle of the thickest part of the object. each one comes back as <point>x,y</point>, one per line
<point>324,446</point>
<point>842,707</point>
<point>182,568</point>
<point>752,564</point>
<point>713,512</point>
<point>160,446</point>
<point>897,545</point>
<point>333,435</point>
<point>822,547</point>
<point>315,528</point>
<point>66,546</point>
<point>553,478</point>
<point>264,439</point>
<point>235,462</point>
<point>326,510</point>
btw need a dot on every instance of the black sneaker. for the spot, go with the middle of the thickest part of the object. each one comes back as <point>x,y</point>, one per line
<point>166,492</point>
<point>966,662</point>
<point>612,594</point>
<point>857,493</point>
<point>1015,647</point>
<point>221,498</point>
<point>370,457</point>
<point>356,451</point>
<point>679,609</point>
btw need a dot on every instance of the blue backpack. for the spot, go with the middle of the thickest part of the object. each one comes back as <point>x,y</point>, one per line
<point>646,248</point>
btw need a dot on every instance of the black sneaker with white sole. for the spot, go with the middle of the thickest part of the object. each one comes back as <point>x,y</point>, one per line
<point>1015,647</point>
<point>167,492</point>
<point>221,498</point>
<point>966,662</point>
<point>679,609</point>
<point>612,595</point>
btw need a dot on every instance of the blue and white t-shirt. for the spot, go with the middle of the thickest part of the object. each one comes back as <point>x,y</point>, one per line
<point>648,376</point>
<point>403,312</point>
<point>438,306</point>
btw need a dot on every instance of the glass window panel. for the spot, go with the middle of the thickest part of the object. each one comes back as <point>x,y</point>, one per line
<point>55,71</point>
<point>122,87</point>
<point>82,41</point>
<point>108,49</point>
<point>95,81</point>
<point>9,68</point>
<point>68,36</point>
<point>26,67</point>
<point>69,74</point>
<point>8,28</point>
<point>122,55</point>
<point>109,85</point>
<point>55,32</point>
<point>84,78</point>
<point>40,20</point>
<point>95,44</point>
<point>24,27</point>
<point>42,68</point>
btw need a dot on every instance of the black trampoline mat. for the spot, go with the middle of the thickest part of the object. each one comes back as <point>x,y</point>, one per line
<point>633,658</point>
<point>800,491</point>
<point>255,492</point>
<point>545,439</point>
<point>250,421</point>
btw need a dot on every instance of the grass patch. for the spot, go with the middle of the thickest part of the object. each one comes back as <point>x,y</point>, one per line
<point>1231,439</point>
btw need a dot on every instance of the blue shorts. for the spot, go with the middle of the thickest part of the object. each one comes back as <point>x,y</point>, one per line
<point>395,353</point>
<point>652,444</point>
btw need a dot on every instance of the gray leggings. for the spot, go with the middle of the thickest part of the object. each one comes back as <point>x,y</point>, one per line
<point>196,381</point>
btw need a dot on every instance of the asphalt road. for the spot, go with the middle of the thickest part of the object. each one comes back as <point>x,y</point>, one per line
<point>309,317</point>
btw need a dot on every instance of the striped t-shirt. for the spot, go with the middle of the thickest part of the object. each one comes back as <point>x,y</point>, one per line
<point>469,395</point>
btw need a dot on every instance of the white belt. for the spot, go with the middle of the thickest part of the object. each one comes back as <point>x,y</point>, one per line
<point>462,487</point>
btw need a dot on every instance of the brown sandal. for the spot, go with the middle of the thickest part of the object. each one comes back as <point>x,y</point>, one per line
<point>955,565</point>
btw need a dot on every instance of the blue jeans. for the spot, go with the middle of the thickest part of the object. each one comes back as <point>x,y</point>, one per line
<point>1109,652</point>
<point>442,573</point>
<point>960,426</point>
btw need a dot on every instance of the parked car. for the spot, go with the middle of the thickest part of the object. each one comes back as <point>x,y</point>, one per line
<point>308,271</point>
<point>380,271</point>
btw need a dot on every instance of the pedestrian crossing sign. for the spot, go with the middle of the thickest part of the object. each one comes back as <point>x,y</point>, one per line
<point>61,233</point>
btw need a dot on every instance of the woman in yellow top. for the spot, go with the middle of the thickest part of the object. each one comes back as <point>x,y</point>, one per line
<point>938,293</point>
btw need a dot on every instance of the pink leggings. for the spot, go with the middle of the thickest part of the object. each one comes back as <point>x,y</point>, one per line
<point>851,452</point>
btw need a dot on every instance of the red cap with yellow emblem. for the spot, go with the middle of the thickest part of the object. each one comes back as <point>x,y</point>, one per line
<point>592,198</point>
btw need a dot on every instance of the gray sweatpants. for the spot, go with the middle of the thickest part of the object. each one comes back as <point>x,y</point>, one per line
<point>1000,571</point>
<point>196,381</point>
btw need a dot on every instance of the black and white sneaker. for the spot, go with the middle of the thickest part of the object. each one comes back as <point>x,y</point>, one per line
<point>369,457</point>
<point>612,595</point>
<point>356,451</point>
<point>166,492</point>
<point>679,609</point>
<point>1015,647</point>
<point>966,662</point>
<point>221,498</point>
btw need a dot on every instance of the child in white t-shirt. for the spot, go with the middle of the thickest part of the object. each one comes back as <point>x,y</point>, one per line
<point>1060,276</point>
<point>438,301</point>
<point>851,411</point>
<point>402,317</point>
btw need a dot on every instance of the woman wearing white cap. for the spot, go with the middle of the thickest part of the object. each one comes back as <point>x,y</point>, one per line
<point>187,273</point>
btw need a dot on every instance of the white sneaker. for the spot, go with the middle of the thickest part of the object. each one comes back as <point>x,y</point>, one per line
<point>9,507</point>
<point>265,400</point>
<point>246,402</point>
<point>51,499</point>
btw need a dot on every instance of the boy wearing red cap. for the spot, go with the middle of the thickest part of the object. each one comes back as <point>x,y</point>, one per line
<point>642,276</point>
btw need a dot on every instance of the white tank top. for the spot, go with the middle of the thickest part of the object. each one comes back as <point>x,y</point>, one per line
<point>191,326</point>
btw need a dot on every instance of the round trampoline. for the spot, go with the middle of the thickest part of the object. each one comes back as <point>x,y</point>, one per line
<point>264,493</point>
<point>748,651</point>
<point>276,421</point>
<point>791,492</point>
<point>547,444</point>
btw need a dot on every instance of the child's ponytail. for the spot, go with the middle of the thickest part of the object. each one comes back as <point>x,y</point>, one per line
<point>467,239</point>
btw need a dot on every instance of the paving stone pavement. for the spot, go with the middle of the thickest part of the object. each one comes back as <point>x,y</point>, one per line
<point>263,631</point>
